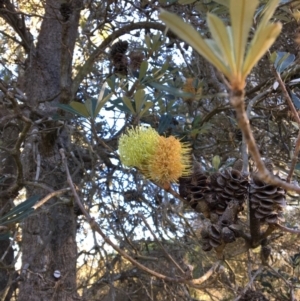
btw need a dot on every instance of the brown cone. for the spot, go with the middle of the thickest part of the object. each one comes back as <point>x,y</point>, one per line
<point>267,200</point>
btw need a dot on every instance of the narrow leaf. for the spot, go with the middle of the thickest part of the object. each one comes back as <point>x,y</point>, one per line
<point>148,41</point>
<point>74,109</point>
<point>80,109</point>
<point>261,42</point>
<point>16,211</point>
<point>268,12</point>
<point>143,69</point>
<point>241,13</point>
<point>286,62</point>
<point>128,103</point>
<point>295,100</point>
<point>172,90</point>
<point>111,81</point>
<point>139,98</point>
<point>147,106</point>
<point>90,105</point>
<point>165,122</point>
<point>187,33</point>
<point>102,102</point>
<point>220,35</point>
<point>185,2</point>
<point>18,217</point>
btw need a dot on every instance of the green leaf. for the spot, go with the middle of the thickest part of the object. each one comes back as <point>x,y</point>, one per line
<point>216,162</point>
<point>143,70</point>
<point>148,41</point>
<point>127,101</point>
<point>102,100</point>
<point>119,104</point>
<point>139,98</point>
<point>221,36</point>
<point>241,14</point>
<point>295,100</point>
<point>80,108</point>
<point>72,110</point>
<point>18,217</point>
<point>20,211</point>
<point>187,33</point>
<point>172,90</point>
<point>261,42</point>
<point>90,105</point>
<point>147,106</point>
<point>111,81</point>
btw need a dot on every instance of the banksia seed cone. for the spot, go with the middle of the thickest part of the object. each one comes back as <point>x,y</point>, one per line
<point>228,185</point>
<point>224,230</point>
<point>118,48</point>
<point>238,165</point>
<point>136,59</point>
<point>211,237</point>
<point>267,200</point>
<point>194,189</point>
<point>118,57</point>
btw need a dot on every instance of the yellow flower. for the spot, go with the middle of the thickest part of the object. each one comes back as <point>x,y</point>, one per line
<point>137,146</point>
<point>160,159</point>
<point>170,161</point>
<point>189,87</point>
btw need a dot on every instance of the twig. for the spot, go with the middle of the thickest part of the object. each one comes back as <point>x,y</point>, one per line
<point>208,274</point>
<point>50,196</point>
<point>237,101</point>
<point>162,247</point>
<point>297,119</point>
<point>286,229</point>
<point>249,283</point>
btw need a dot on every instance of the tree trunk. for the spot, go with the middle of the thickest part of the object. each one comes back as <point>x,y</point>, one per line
<point>49,235</point>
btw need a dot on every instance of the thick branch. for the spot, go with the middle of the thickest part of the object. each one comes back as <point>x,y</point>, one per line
<point>17,22</point>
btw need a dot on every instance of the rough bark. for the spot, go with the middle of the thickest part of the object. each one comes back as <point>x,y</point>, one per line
<point>49,235</point>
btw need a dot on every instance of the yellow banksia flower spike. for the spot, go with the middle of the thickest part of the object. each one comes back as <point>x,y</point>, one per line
<point>227,50</point>
<point>137,146</point>
<point>161,159</point>
<point>170,161</point>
